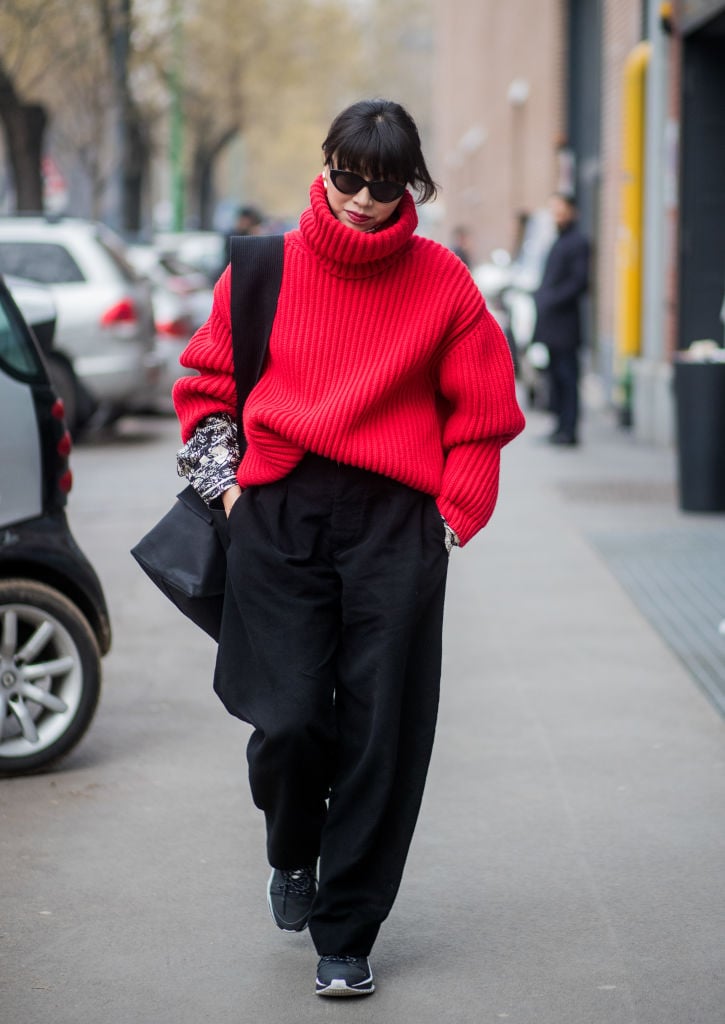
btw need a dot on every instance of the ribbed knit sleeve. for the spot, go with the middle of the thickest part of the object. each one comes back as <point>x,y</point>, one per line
<point>209,352</point>
<point>476,379</point>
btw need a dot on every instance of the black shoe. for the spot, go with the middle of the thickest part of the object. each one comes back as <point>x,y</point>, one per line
<point>344,976</point>
<point>561,438</point>
<point>290,895</point>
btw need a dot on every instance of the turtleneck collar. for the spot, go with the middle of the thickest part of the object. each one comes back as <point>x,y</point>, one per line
<point>345,252</point>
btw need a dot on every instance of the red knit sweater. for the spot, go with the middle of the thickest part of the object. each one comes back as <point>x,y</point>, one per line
<point>382,355</point>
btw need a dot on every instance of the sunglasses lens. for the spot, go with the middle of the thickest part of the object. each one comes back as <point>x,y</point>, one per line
<point>386,191</point>
<point>347,182</point>
<point>381,191</point>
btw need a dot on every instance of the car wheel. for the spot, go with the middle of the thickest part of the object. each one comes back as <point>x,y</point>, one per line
<point>64,381</point>
<point>50,675</point>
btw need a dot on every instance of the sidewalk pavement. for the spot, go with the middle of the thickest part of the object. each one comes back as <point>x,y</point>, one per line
<point>577,793</point>
<point>569,863</point>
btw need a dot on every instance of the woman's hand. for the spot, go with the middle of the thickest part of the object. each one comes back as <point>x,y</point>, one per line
<point>229,497</point>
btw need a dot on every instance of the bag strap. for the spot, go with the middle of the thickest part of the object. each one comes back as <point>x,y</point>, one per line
<point>256,278</point>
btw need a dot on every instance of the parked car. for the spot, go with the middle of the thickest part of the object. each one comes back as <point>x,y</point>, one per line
<point>203,250</point>
<point>103,361</point>
<point>54,624</point>
<point>38,308</point>
<point>182,299</point>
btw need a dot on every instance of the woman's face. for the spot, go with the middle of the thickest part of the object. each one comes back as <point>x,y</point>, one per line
<point>359,211</point>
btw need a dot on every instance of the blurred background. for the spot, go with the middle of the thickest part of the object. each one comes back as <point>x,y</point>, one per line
<point>161,118</point>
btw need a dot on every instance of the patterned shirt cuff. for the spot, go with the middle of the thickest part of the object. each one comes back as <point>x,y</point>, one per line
<point>210,458</point>
<point>452,538</point>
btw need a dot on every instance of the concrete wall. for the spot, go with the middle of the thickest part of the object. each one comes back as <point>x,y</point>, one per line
<point>498,113</point>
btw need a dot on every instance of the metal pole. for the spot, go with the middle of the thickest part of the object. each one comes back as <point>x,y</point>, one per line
<point>176,154</point>
<point>653,292</point>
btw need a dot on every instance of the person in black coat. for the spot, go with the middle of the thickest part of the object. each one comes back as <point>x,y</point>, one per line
<point>558,318</point>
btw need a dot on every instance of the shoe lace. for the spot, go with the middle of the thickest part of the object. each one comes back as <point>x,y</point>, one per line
<point>340,959</point>
<point>300,881</point>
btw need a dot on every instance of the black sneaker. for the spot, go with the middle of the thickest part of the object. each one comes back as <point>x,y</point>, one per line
<point>290,895</point>
<point>344,976</point>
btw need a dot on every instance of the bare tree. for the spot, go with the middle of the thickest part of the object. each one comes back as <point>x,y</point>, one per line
<point>24,127</point>
<point>23,60</point>
<point>80,132</point>
<point>218,45</point>
<point>53,68</point>
<point>134,143</point>
<point>272,73</point>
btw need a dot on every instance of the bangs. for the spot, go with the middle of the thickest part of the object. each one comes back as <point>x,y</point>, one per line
<point>378,140</point>
<point>376,153</point>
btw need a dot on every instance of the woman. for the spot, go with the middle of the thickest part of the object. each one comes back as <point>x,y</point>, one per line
<point>373,437</point>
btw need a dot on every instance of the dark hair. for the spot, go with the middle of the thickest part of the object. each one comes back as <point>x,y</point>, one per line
<point>251,213</point>
<point>567,197</point>
<point>379,139</point>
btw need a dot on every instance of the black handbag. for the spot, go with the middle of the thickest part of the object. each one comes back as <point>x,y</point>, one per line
<point>184,553</point>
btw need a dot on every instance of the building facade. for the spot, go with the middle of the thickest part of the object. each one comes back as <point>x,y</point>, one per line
<point>498,113</point>
<point>621,102</point>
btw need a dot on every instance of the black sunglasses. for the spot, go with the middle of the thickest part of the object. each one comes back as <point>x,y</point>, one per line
<point>381,191</point>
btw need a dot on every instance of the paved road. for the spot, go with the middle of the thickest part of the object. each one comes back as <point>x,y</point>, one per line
<point>569,863</point>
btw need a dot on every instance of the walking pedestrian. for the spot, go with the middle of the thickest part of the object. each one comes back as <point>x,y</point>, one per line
<point>374,438</point>
<point>558,317</point>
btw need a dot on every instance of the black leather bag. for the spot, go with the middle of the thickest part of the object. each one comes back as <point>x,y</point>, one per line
<point>184,554</point>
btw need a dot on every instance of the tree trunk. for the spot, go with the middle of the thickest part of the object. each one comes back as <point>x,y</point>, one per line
<point>202,185</point>
<point>134,168</point>
<point>24,125</point>
<point>116,22</point>
<point>202,191</point>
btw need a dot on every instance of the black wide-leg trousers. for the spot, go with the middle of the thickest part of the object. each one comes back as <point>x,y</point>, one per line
<point>331,649</point>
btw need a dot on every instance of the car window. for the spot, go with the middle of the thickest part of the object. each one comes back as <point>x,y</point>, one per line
<point>173,265</point>
<point>113,246</point>
<point>17,353</point>
<point>44,262</point>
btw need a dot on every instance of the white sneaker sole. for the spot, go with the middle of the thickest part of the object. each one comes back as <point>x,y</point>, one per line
<point>339,988</point>
<point>342,987</point>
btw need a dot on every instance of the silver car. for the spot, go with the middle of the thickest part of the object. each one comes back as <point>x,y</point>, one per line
<point>182,298</point>
<point>103,362</point>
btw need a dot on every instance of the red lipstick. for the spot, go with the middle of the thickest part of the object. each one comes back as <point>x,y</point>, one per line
<point>357,218</point>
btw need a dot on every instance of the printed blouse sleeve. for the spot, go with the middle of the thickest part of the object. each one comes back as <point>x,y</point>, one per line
<point>210,458</point>
<point>452,538</point>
